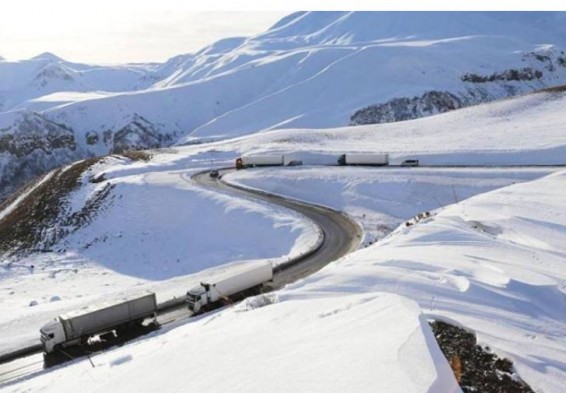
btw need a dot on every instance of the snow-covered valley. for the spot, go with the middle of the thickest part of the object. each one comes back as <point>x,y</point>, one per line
<point>490,258</point>
<point>474,236</point>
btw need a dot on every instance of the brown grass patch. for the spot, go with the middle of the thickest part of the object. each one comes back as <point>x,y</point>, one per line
<point>31,223</point>
<point>137,155</point>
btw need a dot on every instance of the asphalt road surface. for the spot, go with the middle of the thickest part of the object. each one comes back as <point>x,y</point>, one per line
<point>341,234</point>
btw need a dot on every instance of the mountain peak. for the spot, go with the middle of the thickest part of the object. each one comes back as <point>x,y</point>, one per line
<point>47,56</point>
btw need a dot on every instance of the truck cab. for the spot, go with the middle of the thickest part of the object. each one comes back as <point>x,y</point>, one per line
<point>196,298</point>
<point>52,333</point>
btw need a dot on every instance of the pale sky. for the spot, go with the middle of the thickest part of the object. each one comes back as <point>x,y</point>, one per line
<point>119,31</point>
<point>103,31</point>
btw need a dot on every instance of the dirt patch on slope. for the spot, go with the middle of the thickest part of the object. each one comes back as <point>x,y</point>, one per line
<point>31,225</point>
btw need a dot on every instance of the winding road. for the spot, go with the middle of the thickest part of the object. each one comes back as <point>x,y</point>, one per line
<point>341,235</point>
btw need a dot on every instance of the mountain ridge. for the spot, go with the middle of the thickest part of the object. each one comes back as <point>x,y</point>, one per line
<point>309,70</point>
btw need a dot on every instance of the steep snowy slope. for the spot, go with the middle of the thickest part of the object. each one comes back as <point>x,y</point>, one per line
<point>494,263</point>
<point>319,69</point>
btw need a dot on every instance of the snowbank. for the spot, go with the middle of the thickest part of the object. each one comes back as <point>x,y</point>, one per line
<point>493,263</point>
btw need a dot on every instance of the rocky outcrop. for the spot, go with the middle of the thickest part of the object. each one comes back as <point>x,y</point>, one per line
<point>31,146</point>
<point>139,134</point>
<point>476,89</point>
<point>33,132</point>
<point>398,109</point>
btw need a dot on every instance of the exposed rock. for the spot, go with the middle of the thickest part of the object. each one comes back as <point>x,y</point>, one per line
<point>34,132</point>
<point>140,134</point>
<point>399,109</point>
<point>523,74</point>
<point>476,369</point>
<point>91,138</point>
<point>31,146</point>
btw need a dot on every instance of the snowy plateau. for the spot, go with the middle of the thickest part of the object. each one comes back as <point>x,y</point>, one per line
<point>478,98</point>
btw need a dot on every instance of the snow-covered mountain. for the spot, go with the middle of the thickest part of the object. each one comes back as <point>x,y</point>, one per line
<point>487,259</point>
<point>313,69</point>
<point>34,83</point>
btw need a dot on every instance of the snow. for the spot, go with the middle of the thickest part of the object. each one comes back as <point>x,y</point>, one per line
<point>363,342</point>
<point>382,198</point>
<point>494,263</point>
<point>312,70</point>
<point>473,263</point>
<point>490,257</point>
<point>499,133</point>
<point>157,230</point>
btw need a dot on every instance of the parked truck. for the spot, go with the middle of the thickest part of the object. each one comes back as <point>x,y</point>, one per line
<point>239,281</point>
<point>76,327</point>
<point>364,159</point>
<point>265,160</point>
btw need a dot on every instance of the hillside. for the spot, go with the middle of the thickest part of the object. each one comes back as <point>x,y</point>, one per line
<point>489,258</point>
<point>310,70</point>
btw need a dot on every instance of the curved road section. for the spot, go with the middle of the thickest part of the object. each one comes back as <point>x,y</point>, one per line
<point>341,234</point>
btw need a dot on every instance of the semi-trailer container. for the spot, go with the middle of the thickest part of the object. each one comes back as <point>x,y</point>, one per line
<point>76,327</point>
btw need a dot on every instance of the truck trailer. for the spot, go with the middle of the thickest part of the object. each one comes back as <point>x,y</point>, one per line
<point>254,161</point>
<point>244,280</point>
<point>364,159</point>
<point>76,327</point>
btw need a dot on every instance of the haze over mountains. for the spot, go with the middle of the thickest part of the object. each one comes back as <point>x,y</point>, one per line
<point>310,70</point>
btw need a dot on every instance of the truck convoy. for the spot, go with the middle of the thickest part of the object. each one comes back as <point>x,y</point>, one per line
<point>253,161</point>
<point>364,159</point>
<point>76,327</point>
<point>243,280</point>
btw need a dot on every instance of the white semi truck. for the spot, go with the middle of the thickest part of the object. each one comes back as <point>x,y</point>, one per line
<point>241,280</point>
<point>265,160</point>
<point>363,159</point>
<point>76,327</point>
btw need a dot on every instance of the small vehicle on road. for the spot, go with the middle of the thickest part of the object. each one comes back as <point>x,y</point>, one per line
<point>410,163</point>
<point>214,174</point>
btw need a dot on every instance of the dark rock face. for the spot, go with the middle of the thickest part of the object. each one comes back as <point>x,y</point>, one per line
<point>476,369</point>
<point>400,109</point>
<point>523,74</point>
<point>34,132</point>
<point>91,138</point>
<point>32,146</point>
<point>139,134</point>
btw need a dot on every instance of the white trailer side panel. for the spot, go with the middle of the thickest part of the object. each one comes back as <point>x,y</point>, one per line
<point>262,160</point>
<point>367,159</point>
<point>96,318</point>
<point>240,279</point>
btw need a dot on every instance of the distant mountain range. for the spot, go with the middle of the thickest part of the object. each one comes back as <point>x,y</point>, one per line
<point>310,70</point>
